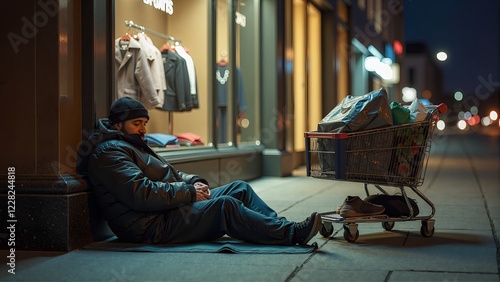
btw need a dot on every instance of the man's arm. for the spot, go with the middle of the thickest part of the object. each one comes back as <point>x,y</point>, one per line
<point>192,178</point>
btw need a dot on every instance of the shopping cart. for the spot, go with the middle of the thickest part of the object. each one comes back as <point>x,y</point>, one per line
<point>394,156</point>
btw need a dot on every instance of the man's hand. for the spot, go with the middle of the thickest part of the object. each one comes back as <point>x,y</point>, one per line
<point>202,191</point>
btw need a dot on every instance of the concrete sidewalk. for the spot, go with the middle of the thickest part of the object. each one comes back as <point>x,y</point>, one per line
<point>462,181</point>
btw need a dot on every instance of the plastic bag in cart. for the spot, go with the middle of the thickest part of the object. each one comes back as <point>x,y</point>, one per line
<point>413,113</point>
<point>418,111</point>
<point>358,113</point>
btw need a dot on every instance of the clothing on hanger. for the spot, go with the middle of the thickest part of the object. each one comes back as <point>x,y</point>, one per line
<point>177,79</point>
<point>133,75</point>
<point>155,64</point>
<point>190,65</point>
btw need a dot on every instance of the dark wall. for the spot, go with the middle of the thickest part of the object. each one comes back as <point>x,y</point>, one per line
<point>29,86</point>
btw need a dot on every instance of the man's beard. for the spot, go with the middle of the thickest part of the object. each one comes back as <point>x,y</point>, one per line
<point>140,134</point>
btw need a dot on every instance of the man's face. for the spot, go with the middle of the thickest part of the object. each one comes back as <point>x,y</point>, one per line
<point>133,126</point>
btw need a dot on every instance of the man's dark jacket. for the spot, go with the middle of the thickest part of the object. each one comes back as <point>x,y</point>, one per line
<point>132,184</point>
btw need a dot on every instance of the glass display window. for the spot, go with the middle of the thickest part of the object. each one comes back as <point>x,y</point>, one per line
<point>169,72</point>
<point>307,61</point>
<point>165,57</point>
<point>237,72</point>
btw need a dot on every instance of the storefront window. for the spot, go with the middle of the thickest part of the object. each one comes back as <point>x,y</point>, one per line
<point>342,62</point>
<point>179,91</point>
<point>237,83</point>
<point>314,87</point>
<point>307,63</point>
<point>342,51</point>
<point>169,73</point>
<point>248,54</point>
<point>299,72</point>
<point>224,72</point>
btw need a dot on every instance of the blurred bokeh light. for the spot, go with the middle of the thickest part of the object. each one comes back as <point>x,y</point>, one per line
<point>493,115</point>
<point>462,124</point>
<point>440,125</point>
<point>409,94</point>
<point>485,121</point>
<point>442,56</point>
<point>459,96</point>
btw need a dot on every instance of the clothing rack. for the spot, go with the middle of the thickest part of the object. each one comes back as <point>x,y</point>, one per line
<point>150,31</point>
<point>168,37</point>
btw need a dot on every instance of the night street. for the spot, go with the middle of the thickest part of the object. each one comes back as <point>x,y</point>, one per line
<point>250,140</point>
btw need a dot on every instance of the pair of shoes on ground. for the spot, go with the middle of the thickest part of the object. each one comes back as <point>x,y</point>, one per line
<point>353,206</point>
<point>305,230</point>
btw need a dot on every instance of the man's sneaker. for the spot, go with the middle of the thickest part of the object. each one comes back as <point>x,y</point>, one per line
<point>353,206</point>
<point>307,229</point>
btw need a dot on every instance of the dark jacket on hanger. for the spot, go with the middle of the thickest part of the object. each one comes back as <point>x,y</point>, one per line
<point>177,95</point>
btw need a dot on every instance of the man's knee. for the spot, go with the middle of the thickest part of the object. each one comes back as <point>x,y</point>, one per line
<point>242,185</point>
<point>228,203</point>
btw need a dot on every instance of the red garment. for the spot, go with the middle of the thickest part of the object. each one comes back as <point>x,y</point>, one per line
<point>188,137</point>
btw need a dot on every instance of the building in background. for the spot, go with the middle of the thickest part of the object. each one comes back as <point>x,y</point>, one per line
<point>377,40</point>
<point>422,73</point>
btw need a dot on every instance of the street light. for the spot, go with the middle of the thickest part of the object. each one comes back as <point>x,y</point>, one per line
<point>442,56</point>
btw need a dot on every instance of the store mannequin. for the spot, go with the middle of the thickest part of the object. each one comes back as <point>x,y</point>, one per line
<point>222,76</point>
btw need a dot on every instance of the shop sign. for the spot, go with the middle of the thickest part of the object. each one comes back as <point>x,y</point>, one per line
<point>166,6</point>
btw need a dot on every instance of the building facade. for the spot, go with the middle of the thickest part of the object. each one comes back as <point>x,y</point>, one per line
<point>423,74</point>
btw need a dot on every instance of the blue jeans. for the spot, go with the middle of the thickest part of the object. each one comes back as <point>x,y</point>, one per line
<point>234,209</point>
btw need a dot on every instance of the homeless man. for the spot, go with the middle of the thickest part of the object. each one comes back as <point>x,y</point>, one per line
<point>145,199</point>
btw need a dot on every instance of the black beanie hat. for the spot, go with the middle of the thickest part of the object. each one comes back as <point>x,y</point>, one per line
<point>126,108</point>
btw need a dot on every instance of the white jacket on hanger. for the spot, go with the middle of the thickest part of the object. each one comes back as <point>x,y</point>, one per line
<point>155,63</point>
<point>190,67</point>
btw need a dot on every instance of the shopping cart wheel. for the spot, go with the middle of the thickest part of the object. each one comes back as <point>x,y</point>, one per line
<point>388,225</point>
<point>351,232</point>
<point>326,229</point>
<point>427,229</point>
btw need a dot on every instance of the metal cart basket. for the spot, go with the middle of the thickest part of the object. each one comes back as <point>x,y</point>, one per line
<point>394,156</point>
